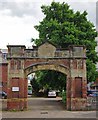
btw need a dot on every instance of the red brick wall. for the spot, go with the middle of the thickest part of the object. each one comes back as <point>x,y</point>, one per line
<point>4,76</point>
<point>17,82</point>
<point>29,62</point>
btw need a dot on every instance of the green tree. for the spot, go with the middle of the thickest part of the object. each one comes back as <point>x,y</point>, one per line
<point>35,85</point>
<point>51,79</point>
<point>62,26</point>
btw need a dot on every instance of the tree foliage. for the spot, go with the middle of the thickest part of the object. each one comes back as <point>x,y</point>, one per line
<point>51,79</point>
<point>62,26</point>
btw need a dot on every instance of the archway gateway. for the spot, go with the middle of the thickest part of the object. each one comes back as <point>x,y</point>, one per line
<point>71,62</point>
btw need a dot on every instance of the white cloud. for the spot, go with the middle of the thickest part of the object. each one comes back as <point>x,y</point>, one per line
<point>45,1</point>
<point>5,12</point>
<point>15,30</point>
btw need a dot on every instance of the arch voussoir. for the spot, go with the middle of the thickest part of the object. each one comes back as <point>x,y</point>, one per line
<point>33,68</point>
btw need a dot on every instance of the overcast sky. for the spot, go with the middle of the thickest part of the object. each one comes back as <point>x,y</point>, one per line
<point>18,18</point>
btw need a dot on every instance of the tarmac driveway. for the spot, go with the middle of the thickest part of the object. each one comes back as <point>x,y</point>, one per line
<point>50,104</point>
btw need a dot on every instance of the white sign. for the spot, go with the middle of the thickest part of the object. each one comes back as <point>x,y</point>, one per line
<point>15,88</point>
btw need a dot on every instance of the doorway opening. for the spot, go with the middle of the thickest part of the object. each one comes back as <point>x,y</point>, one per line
<point>48,90</point>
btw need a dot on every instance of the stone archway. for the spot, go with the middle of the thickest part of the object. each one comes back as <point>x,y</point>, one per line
<point>46,66</point>
<point>50,66</point>
<point>71,62</point>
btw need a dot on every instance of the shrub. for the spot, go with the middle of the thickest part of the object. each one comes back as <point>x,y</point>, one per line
<point>63,96</point>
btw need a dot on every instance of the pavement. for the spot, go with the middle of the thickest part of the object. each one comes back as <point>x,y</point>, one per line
<point>47,108</point>
<point>49,114</point>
